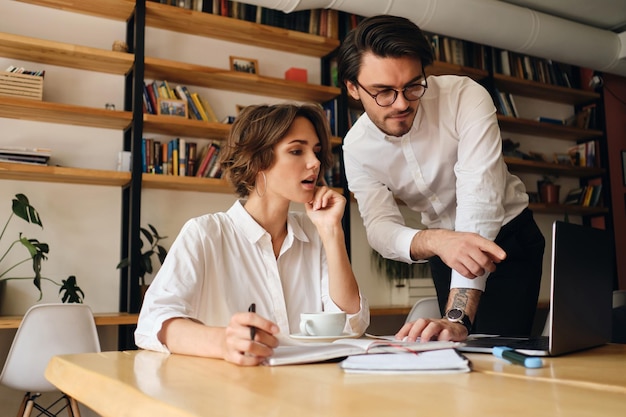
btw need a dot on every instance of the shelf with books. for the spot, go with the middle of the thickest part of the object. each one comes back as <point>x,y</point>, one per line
<point>202,24</point>
<point>240,31</point>
<point>543,91</point>
<point>219,78</point>
<point>447,68</point>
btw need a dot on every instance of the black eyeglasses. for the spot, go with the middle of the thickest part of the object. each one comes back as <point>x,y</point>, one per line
<point>388,96</point>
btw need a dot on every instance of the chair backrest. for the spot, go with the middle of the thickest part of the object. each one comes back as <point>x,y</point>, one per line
<point>426,307</point>
<point>45,331</point>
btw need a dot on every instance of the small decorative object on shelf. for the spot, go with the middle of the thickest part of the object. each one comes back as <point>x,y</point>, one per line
<point>172,107</point>
<point>22,83</point>
<point>241,64</point>
<point>71,292</point>
<point>296,74</point>
<point>549,191</point>
<point>120,46</point>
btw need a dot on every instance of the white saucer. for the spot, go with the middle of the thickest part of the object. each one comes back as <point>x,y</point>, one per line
<point>307,338</point>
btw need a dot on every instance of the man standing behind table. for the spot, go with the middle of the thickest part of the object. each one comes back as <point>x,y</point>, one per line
<point>434,143</point>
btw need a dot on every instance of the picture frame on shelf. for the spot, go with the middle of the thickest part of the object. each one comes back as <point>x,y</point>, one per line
<point>241,64</point>
<point>171,107</point>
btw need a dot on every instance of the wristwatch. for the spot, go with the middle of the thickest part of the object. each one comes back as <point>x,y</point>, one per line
<point>456,315</point>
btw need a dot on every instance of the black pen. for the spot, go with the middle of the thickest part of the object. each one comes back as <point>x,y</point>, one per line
<point>252,309</point>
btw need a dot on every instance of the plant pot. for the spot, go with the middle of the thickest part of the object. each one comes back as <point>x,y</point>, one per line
<point>550,193</point>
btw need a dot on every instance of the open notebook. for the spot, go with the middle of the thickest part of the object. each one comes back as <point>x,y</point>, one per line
<point>580,296</point>
<point>291,353</point>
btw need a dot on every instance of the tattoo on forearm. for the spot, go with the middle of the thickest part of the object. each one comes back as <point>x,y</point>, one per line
<point>460,299</point>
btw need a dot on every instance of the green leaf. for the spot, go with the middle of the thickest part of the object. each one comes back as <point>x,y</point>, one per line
<point>23,210</point>
<point>71,291</point>
<point>147,235</point>
<point>162,253</point>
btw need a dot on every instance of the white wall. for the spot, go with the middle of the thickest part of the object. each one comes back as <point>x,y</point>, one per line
<point>82,223</point>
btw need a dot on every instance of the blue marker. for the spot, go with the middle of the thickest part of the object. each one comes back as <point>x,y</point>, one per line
<point>518,358</point>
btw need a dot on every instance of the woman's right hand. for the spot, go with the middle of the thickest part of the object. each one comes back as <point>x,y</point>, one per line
<point>238,346</point>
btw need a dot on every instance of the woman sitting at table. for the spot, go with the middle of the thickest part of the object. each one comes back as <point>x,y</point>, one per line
<point>258,251</point>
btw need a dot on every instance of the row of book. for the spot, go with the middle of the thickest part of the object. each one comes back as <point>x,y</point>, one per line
<point>335,24</point>
<point>22,70</point>
<point>585,118</point>
<point>157,100</point>
<point>323,22</point>
<point>505,104</point>
<point>34,156</point>
<point>587,196</point>
<point>181,158</point>
<point>176,157</point>
<point>584,154</point>
<point>459,52</point>
<point>535,69</point>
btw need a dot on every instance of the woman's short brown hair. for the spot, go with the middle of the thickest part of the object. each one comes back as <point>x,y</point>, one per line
<point>250,145</point>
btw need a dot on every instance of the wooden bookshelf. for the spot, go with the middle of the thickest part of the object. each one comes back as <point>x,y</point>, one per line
<point>111,9</point>
<point>546,168</point>
<point>176,183</point>
<point>548,130</point>
<point>444,68</point>
<point>202,24</point>
<point>101,319</point>
<point>543,91</point>
<point>235,30</point>
<point>572,209</point>
<point>42,111</point>
<point>178,126</point>
<point>219,78</point>
<point>44,173</point>
<point>65,55</point>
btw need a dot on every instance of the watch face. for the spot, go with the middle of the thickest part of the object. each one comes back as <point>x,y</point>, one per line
<point>455,314</point>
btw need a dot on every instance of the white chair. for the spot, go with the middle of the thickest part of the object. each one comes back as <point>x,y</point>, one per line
<point>619,298</point>
<point>427,307</point>
<point>45,331</point>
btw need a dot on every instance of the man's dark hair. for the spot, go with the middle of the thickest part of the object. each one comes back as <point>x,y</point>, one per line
<point>385,36</point>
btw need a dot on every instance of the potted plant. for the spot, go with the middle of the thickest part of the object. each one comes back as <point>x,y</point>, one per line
<point>145,262</point>
<point>548,190</point>
<point>37,251</point>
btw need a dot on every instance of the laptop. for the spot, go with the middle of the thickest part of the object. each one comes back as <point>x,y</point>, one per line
<point>580,293</point>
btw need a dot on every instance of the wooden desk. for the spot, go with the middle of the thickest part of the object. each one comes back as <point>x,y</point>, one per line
<point>603,368</point>
<point>101,319</point>
<point>143,383</point>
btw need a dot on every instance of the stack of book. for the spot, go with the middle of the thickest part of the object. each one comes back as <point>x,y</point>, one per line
<point>36,156</point>
<point>156,91</point>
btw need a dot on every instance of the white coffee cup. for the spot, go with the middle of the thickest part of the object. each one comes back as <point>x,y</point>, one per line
<point>323,324</point>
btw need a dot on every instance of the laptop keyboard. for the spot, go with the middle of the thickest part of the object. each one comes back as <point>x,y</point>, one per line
<point>534,343</point>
